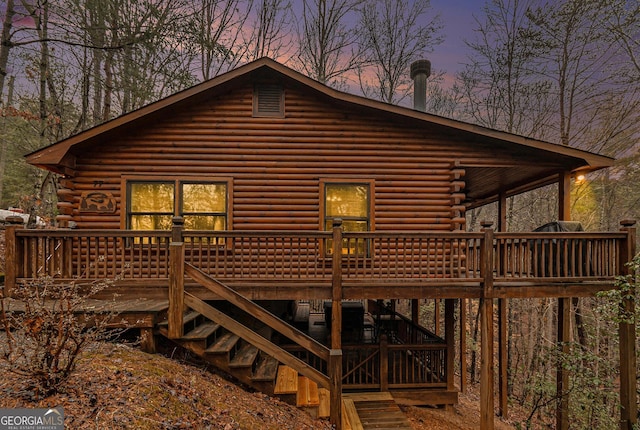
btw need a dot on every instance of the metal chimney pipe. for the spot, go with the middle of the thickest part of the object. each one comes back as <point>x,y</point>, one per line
<point>420,71</point>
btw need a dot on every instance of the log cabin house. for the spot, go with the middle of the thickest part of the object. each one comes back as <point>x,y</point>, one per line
<point>274,222</point>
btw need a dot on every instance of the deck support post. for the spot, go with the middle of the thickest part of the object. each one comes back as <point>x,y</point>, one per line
<point>463,345</point>
<point>626,330</point>
<point>13,257</point>
<point>176,280</point>
<point>415,317</point>
<point>335,358</point>
<point>562,374</point>
<point>436,316</point>
<point>486,365</point>
<point>503,358</point>
<point>449,332</point>
<point>486,331</point>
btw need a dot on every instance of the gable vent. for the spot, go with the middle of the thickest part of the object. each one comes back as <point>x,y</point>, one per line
<point>268,100</point>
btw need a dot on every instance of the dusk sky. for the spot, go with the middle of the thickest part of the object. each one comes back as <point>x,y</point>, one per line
<point>458,20</point>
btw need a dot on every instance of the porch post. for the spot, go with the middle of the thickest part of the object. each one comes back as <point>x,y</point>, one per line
<point>564,197</point>
<point>13,267</point>
<point>626,330</point>
<point>564,315</point>
<point>503,401</point>
<point>335,357</point>
<point>176,280</point>
<point>486,332</point>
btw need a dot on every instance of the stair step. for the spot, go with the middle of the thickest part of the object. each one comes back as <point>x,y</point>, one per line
<point>324,409</point>
<point>245,357</point>
<point>287,381</point>
<point>267,370</point>
<point>225,344</point>
<point>350,418</point>
<point>307,393</point>
<point>186,319</point>
<point>203,331</point>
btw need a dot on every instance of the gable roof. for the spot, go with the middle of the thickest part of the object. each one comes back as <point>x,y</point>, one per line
<point>537,163</point>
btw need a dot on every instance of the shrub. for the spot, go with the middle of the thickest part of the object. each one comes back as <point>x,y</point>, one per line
<point>45,332</point>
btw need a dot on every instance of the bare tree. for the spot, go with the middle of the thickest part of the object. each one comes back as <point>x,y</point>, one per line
<point>212,33</point>
<point>581,59</point>
<point>499,87</point>
<point>272,25</point>
<point>5,43</point>
<point>327,47</point>
<point>624,23</point>
<point>393,34</point>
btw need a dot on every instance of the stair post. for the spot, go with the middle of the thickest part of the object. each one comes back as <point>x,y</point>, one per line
<point>335,355</point>
<point>176,280</point>
<point>384,363</point>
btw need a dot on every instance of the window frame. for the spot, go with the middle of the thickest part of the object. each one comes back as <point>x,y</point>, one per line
<point>178,182</point>
<point>370,183</point>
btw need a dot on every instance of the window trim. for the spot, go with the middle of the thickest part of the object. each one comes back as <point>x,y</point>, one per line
<point>126,180</point>
<point>346,181</point>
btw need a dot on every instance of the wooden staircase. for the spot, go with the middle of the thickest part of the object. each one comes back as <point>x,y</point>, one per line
<point>253,367</point>
<point>248,364</point>
<point>227,351</point>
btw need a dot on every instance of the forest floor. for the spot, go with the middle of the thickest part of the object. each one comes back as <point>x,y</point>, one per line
<point>117,386</point>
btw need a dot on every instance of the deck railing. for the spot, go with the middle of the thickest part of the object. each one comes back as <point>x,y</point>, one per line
<point>384,366</point>
<point>268,258</point>
<point>387,366</point>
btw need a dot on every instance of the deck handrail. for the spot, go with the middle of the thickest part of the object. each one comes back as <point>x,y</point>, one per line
<point>299,258</point>
<point>262,314</point>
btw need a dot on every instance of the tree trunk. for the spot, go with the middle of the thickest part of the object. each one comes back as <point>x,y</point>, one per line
<point>474,352</point>
<point>5,44</point>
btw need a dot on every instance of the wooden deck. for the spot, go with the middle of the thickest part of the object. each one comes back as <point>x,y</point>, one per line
<point>128,313</point>
<point>142,313</point>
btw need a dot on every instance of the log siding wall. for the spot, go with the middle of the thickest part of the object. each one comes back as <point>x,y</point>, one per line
<point>276,164</point>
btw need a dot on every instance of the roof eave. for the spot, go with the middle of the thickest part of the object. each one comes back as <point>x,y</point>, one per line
<point>53,154</point>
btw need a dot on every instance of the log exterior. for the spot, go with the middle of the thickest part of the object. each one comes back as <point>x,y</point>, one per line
<point>276,164</point>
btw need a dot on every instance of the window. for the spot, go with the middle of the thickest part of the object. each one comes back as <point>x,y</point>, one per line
<point>152,204</point>
<point>351,202</point>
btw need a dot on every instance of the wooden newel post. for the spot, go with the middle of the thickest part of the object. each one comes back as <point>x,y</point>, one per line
<point>335,358</point>
<point>176,280</point>
<point>626,330</point>
<point>486,331</point>
<point>384,363</point>
<point>13,251</point>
